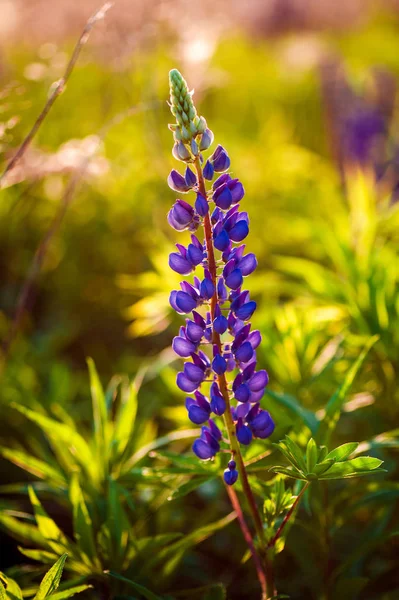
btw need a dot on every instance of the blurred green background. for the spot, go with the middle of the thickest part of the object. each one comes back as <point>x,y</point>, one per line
<point>303,95</point>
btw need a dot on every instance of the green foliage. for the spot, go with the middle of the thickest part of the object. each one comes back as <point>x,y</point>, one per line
<point>318,465</point>
<point>10,590</point>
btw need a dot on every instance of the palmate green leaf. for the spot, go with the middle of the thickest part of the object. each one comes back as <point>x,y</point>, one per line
<point>70,592</point>
<point>82,524</point>
<point>64,435</point>
<point>100,417</point>
<point>353,468</point>
<point>336,402</point>
<point>145,592</point>
<point>342,452</point>
<point>51,580</point>
<point>48,528</point>
<point>33,465</point>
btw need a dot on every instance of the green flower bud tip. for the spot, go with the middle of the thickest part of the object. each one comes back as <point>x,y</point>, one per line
<point>182,107</point>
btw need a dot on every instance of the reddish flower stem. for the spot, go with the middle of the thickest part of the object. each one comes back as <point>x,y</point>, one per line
<point>248,538</point>
<point>287,517</point>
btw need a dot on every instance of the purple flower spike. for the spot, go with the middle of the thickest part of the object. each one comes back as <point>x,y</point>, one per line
<point>208,170</point>
<point>177,182</point>
<point>217,254</point>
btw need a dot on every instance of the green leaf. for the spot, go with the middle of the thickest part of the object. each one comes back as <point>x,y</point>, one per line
<point>311,455</point>
<point>189,486</point>
<point>281,446</point>
<point>82,524</point>
<point>323,466</point>
<point>342,452</point>
<point>22,531</point>
<point>162,441</point>
<point>353,468</point>
<point>47,527</point>
<point>3,595</point>
<point>13,590</point>
<point>40,555</point>
<point>116,523</point>
<point>288,472</point>
<point>136,586</point>
<point>336,402</point>
<point>296,452</point>
<point>34,466</point>
<point>51,580</point>
<point>174,552</point>
<point>289,402</point>
<point>70,592</point>
<point>100,416</point>
<point>126,418</point>
<point>62,434</point>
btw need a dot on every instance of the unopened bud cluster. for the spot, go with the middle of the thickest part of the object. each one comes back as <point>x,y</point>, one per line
<point>216,339</point>
<point>190,132</point>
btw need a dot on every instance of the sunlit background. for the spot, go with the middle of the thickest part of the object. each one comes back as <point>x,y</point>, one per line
<point>303,95</point>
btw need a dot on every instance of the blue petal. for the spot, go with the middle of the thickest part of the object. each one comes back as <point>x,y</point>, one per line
<point>179,264</point>
<point>239,231</point>
<point>183,347</point>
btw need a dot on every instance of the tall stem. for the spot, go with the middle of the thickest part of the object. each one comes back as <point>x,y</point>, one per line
<point>228,419</point>
<point>248,538</point>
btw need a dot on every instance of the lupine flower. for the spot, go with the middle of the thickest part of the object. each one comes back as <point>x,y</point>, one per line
<point>216,340</point>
